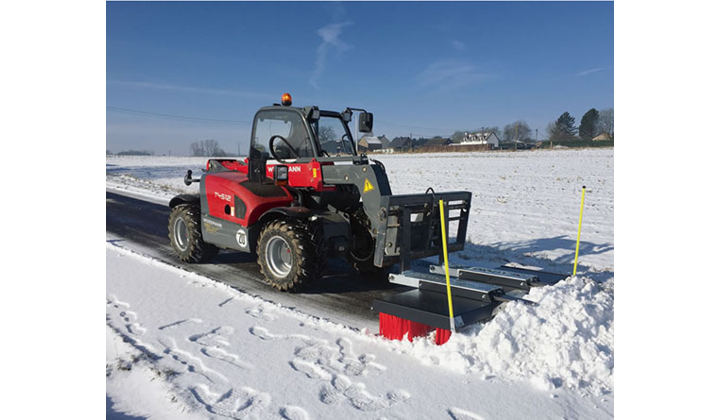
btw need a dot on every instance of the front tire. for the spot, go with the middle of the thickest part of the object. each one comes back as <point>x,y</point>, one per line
<point>186,237</point>
<point>290,254</point>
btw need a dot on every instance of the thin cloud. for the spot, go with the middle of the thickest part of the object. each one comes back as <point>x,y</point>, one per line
<point>458,45</point>
<point>189,89</point>
<point>330,35</point>
<point>586,72</point>
<point>451,74</point>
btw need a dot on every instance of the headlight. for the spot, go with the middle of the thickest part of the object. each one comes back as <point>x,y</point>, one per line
<point>280,174</point>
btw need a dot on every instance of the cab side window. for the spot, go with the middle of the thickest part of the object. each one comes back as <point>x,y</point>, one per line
<point>287,124</point>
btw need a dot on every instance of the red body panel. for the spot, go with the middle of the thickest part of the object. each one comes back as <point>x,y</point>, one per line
<point>232,164</point>
<point>221,189</point>
<point>306,175</point>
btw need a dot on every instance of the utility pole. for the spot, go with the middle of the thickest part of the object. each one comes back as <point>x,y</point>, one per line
<point>356,130</point>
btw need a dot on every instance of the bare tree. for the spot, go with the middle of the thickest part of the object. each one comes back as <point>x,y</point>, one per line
<point>208,148</point>
<point>606,122</point>
<point>196,149</point>
<point>517,131</point>
<point>327,134</point>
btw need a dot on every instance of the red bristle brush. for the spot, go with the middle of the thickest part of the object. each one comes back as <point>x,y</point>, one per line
<point>395,328</point>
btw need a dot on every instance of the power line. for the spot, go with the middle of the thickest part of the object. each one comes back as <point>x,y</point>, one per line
<point>173,117</point>
<point>415,126</point>
<point>215,120</point>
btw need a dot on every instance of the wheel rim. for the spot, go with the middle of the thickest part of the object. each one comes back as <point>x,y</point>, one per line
<point>278,256</point>
<point>181,234</point>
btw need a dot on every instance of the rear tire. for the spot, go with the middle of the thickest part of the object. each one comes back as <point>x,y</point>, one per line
<point>186,237</point>
<point>290,253</point>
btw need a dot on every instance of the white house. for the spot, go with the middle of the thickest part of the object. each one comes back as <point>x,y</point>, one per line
<point>481,137</point>
<point>369,143</point>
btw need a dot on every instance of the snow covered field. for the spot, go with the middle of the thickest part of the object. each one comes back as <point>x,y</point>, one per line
<point>183,346</point>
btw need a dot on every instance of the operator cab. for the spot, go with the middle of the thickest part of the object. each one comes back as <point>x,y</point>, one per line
<point>286,133</point>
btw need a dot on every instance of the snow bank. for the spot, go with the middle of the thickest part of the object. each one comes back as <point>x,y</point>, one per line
<point>566,340</point>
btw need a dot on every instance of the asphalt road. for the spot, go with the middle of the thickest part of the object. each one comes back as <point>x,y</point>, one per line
<point>341,296</point>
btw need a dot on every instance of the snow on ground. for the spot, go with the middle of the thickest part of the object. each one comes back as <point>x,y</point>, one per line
<point>183,346</point>
<point>217,352</point>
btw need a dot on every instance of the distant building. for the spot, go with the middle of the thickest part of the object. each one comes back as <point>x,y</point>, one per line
<point>333,147</point>
<point>401,144</point>
<point>385,142</point>
<point>369,144</point>
<point>602,137</point>
<point>437,142</point>
<point>481,137</point>
<point>519,145</point>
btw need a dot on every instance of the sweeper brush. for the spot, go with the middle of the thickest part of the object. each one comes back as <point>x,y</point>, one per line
<point>476,294</point>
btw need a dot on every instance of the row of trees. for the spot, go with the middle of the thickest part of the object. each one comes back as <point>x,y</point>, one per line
<point>593,123</point>
<point>207,148</point>
<point>131,153</point>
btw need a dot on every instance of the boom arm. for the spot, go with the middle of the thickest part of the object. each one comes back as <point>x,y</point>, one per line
<point>405,227</point>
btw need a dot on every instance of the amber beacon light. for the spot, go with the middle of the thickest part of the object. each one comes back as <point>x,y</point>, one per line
<point>286,99</point>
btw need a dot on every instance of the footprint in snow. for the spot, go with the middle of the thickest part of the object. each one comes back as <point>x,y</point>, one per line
<point>188,362</point>
<point>460,414</point>
<point>342,388</point>
<point>117,303</point>
<point>136,329</point>
<point>292,412</point>
<point>264,334</point>
<point>259,313</point>
<point>356,365</point>
<point>128,316</point>
<point>213,338</point>
<point>233,403</point>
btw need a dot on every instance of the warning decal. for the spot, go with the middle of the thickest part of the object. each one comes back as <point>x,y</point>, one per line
<point>368,186</point>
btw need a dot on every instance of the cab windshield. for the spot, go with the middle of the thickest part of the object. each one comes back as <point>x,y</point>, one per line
<point>294,141</point>
<point>333,136</point>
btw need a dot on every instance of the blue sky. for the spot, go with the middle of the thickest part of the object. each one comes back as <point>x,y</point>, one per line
<point>421,68</point>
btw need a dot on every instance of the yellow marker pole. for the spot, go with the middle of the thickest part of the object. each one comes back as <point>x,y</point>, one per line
<point>447,267</point>
<point>577,247</point>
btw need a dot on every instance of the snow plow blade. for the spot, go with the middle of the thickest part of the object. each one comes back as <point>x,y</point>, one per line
<point>476,294</point>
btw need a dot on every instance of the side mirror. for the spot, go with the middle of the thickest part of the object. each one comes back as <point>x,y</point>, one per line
<point>257,165</point>
<point>312,113</point>
<point>365,122</point>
